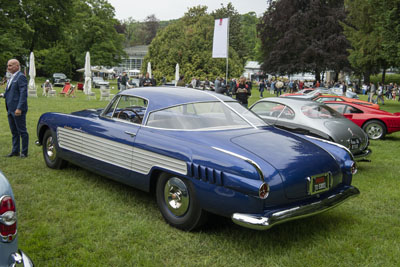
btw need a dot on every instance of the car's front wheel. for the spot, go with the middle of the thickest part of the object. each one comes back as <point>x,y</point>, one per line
<point>375,129</point>
<point>50,153</point>
<point>177,202</point>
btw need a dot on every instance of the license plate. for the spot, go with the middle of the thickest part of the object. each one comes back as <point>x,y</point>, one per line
<point>319,183</point>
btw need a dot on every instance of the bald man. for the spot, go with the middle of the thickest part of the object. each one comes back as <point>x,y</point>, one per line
<point>16,96</point>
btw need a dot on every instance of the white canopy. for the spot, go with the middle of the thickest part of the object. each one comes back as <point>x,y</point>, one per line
<point>87,87</point>
<point>176,73</point>
<point>32,74</point>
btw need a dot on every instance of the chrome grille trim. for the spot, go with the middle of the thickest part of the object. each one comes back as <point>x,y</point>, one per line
<point>121,155</point>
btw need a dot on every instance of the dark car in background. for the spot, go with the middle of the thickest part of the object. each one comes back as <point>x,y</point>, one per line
<point>10,255</point>
<point>59,79</point>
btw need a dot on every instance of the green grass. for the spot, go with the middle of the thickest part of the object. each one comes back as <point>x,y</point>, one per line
<point>72,217</point>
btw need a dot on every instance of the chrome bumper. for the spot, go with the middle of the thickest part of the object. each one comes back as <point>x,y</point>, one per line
<point>20,259</point>
<point>266,221</point>
<point>363,155</point>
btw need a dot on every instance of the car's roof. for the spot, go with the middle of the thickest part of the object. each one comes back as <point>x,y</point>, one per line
<point>290,101</point>
<point>161,97</point>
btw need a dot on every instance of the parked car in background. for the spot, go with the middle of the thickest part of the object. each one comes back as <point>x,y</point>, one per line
<point>59,79</point>
<point>324,98</point>
<point>10,255</point>
<point>201,152</point>
<point>99,81</point>
<point>376,123</point>
<point>315,119</point>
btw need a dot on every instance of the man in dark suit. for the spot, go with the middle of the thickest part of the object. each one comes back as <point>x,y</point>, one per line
<point>17,106</point>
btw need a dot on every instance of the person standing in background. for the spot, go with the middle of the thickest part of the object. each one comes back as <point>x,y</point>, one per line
<point>16,96</point>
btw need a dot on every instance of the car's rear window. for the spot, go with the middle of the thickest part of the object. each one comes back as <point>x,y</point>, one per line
<point>203,116</point>
<point>320,112</point>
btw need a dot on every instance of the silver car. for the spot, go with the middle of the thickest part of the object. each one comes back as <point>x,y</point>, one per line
<point>10,255</point>
<point>315,119</point>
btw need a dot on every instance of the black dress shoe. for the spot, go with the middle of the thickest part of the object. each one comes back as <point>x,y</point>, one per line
<point>12,155</point>
<point>23,156</point>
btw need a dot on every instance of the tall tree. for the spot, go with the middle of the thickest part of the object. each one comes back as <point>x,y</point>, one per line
<point>13,30</point>
<point>151,26</point>
<point>249,23</point>
<point>93,29</point>
<point>373,29</point>
<point>47,19</point>
<point>303,36</point>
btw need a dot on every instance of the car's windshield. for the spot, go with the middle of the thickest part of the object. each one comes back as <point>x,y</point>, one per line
<point>59,75</point>
<point>204,116</point>
<point>97,79</point>
<point>320,112</point>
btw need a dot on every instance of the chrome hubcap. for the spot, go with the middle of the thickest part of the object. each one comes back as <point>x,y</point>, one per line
<point>176,196</point>
<point>374,131</point>
<point>50,149</point>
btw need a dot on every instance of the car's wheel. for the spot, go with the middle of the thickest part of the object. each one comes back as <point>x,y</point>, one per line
<point>50,153</point>
<point>177,202</point>
<point>375,129</point>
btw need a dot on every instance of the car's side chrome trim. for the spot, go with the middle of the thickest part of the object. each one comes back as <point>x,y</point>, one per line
<point>115,153</point>
<point>266,221</point>
<point>253,163</point>
<point>332,143</point>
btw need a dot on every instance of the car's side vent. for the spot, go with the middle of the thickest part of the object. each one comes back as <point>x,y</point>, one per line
<point>205,174</point>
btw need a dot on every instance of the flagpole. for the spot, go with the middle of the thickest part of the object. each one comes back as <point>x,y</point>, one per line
<point>227,54</point>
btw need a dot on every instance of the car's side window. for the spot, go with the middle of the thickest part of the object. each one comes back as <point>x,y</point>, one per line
<point>352,110</point>
<point>127,108</point>
<point>339,108</point>
<point>268,109</point>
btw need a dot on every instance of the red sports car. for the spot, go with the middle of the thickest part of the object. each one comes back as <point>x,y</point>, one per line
<point>376,123</point>
<point>325,98</point>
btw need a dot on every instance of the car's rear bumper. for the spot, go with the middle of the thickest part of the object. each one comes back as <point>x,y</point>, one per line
<point>20,259</point>
<point>309,208</point>
<point>362,155</point>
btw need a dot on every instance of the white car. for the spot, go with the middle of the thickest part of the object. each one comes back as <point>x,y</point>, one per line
<point>98,82</point>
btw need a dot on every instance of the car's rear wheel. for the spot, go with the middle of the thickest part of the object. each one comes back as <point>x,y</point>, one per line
<point>177,202</point>
<point>50,153</point>
<point>375,129</point>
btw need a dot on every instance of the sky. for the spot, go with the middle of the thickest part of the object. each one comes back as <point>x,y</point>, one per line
<point>175,9</point>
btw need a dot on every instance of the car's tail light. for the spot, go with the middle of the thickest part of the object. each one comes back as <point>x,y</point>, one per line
<point>263,191</point>
<point>353,168</point>
<point>8,219</point>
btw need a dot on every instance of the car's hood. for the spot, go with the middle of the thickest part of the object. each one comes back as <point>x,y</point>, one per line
<point>347,133</point>
<point>294,158</point>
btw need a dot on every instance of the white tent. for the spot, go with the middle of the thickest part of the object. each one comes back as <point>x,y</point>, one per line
<point>32,75</point>
<point>149,69</point>
<point>176,73</point>
<point>87,87</point>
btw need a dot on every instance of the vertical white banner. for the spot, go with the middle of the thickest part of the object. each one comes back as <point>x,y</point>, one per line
<point>220,41</point>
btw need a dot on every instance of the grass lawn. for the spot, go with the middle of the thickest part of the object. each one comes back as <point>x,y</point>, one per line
<point>72,217</point>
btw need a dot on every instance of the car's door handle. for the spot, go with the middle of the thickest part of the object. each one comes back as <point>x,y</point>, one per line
<point>130,133</point>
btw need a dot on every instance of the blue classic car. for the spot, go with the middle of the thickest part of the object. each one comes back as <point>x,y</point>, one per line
<point>10,255</point>
<point>201,153</point>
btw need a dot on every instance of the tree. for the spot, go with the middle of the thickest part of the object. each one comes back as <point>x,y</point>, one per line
<point>93,30</point>
<point>13,30</point>
<point>151,26</point>
<point>249,23</point>
<point>188,41</point>
<point>373,29</point>
<point>303,36</point>
<point>47,19</point>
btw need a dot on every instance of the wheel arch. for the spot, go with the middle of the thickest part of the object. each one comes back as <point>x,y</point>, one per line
<point>379,120</point>
<point>41,132</point>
